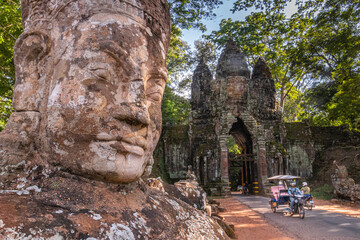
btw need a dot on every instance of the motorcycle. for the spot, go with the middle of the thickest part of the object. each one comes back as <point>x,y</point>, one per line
<point>298,207</point>
<point>309,203</point>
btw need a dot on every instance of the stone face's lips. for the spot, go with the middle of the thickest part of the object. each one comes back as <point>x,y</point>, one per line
<point>131,143</point>
<point>124,147</point>
<point>135,141</point>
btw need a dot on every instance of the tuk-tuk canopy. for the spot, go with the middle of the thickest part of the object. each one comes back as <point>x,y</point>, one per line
<point>283,177</point>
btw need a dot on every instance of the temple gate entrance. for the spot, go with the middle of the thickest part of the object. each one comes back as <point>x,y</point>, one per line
<point>237,104</point>
<point>242,163</point>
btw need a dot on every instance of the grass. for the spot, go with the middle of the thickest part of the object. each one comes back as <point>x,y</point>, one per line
<point>325,192</point>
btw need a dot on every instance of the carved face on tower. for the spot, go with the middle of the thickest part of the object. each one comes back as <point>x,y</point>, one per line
<point>102,117</point>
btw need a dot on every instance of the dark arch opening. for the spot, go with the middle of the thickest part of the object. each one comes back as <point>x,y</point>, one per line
<point>242,167</point>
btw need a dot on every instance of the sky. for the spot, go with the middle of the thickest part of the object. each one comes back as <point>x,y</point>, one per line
<point>223,12</point>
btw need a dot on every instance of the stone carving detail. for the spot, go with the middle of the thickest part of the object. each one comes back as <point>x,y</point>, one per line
<point>263,93</point>
<point>232,62</point>
<point>190,175</point>
<point>200,97</point>
<point>345,186</point>
<point>87,100</point>
<point>94,82</point>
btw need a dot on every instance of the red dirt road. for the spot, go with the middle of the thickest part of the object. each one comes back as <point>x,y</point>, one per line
<point>248,223</point>
<point>351,210</point>
<point>251,225</point>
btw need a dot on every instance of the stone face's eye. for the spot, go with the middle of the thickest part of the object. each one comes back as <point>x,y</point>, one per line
<point>101,74</point>
<point>155,96</point>
<point>155,89</point>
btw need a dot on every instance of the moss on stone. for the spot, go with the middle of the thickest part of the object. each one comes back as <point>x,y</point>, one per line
<point>274,147</point>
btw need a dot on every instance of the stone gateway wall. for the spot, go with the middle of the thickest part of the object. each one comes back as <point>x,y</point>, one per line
<point>172,154</point>
<point>312,150</point>
<point>222,107</point>
<point>303,151</point>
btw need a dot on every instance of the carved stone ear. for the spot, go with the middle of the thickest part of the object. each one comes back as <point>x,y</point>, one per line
<point>29,51</point>
<point>148,168</point>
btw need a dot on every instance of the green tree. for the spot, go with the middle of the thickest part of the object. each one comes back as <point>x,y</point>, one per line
<point>318,44</point>
<point>331,53</point>
<point>232,146</point>
<point>185,14</point>
<point>272,36</point>
<point>180,81</point>
<point>175,108</point>
<point>206,50</point>
<point>315,103</point>
<point>179,55</point>
<point>10,29</point>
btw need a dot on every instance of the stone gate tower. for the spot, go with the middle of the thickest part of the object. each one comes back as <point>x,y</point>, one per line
<point>239,104</point>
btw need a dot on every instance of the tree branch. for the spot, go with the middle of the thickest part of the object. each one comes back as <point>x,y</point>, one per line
<point>8,32</point>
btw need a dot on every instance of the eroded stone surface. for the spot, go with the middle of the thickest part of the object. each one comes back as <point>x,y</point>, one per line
<point>64,206</point>
<point>90,79</point>
<point>345,186</point>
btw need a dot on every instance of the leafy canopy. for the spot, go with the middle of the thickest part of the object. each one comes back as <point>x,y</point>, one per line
<point>185,14</point>
<point>318,46</point>
<point>272,36</point>
<point>10,29</point>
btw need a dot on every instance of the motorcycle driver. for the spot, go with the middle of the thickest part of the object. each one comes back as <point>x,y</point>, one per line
<point>292,192</point>
<point>306,189</point>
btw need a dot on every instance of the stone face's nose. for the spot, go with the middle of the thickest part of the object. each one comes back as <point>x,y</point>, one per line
<point>132,113</point>
<point>133,110</point>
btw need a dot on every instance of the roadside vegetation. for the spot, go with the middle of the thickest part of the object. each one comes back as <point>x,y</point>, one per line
<point>324,192</point>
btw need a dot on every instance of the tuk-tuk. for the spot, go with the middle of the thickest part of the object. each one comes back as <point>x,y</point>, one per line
<point>279,194</point>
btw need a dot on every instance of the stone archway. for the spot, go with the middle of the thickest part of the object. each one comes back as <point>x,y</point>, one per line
<point>242,164</point>
<point>237,103</point>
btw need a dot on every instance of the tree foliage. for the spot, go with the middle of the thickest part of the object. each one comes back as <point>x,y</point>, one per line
<point>175,109</point>
<point>179,55</point>
<point>187,14</point>
<point>272,36</point>
<point>180,80</point>
<point>10,29</point>
<point>317,45</point>
<point>332,54</point>
<point>206,50</point>
<point>232,146</point>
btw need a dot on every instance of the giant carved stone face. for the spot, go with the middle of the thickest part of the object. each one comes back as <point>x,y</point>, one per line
<point>103,113</point>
